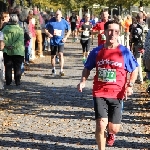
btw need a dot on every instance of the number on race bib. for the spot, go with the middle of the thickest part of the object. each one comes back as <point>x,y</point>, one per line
<point>86,33</point>
<point>103,37</point>
<point>106,75</point>
<point>57,32</point>
<point>73,20</point>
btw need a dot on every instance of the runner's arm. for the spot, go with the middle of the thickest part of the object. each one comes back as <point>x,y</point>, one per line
<point>85,74</point>
<point>94,32</point>
<point>97,29</point>
<point>133,75</point>
<point>68,34</point>
<point>80,29</point>
<point>129,88</point>
<point>48,34</point>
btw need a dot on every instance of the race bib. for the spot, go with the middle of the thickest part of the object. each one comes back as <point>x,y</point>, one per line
<point>73,20</point>
<point>86,33</point>
<point>106,75</point>
<point>103,37</point>
<point>57,32</point>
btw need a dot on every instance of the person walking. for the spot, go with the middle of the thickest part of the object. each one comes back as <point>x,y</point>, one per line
<point>38,30</point>
<point>112,62</point>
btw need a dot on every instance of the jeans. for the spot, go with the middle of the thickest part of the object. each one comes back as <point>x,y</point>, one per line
<point>22,68</point>
<point>138,58</point>
<point>30,49</point>
<point>38,34</point>
<point>27,54</point>
<point>148,75</point>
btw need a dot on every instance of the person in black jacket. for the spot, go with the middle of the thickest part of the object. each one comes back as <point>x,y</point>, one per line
<point>73,20</point>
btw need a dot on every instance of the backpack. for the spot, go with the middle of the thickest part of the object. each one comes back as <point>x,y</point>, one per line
<point>137,33</point>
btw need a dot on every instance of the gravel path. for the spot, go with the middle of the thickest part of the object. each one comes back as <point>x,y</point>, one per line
<point>48,113</point>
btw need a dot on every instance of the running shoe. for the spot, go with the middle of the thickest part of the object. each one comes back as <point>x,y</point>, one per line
<point>62,73</point>
<point>76,39</point>
<point>73,40</point>
<point>53,71</point>
<point>110,139</point>
<point>83,60</point>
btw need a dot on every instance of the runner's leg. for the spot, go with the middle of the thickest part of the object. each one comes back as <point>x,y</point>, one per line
<point>88,47</point>
<point>53,55</point>
<point>115,107</point>
<point>101,116</point>
<point>61,57</point>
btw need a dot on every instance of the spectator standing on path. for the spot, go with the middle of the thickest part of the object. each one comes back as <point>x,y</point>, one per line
<point>112,61</point>
<point>85,41</point>
<point>144,13</point>
<point>146,56</point>
<point>126,24</point>
<point>38,32</point>
<point>55,29</point>
<point>31,26</point>
<point>4,19</point>
<point>14,49</point>
<point>1,60</point>
<point>138,38</point>
<point>23,24</point>
<point>99,27</point>
<point>44,44</point>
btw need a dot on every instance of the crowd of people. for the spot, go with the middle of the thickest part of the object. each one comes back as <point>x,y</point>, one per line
<point>26,34</point>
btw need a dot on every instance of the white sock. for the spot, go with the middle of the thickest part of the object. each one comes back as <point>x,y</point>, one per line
<point>61,70</point>
<point>54,68</point>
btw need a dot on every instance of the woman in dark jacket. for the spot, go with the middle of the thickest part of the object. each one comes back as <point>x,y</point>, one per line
<point>14,49</point>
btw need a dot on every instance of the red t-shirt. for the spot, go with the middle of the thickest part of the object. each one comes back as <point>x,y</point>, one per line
<point>111,66</point>
<point>100,26</point>
<point>110,63</point>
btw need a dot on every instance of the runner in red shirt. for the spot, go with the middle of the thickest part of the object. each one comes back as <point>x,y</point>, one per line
<point>112,62</point>
<point>99,27</point>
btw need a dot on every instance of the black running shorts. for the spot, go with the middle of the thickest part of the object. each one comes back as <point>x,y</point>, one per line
<point>55,49</point>
<point>108,108</point>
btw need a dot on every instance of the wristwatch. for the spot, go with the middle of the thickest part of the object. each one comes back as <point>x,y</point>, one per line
<point>130,84</point>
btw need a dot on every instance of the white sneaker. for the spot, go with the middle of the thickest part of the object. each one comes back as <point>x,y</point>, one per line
<point>53,71</point>
<point>62,73</point>
<point>42,56</point>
